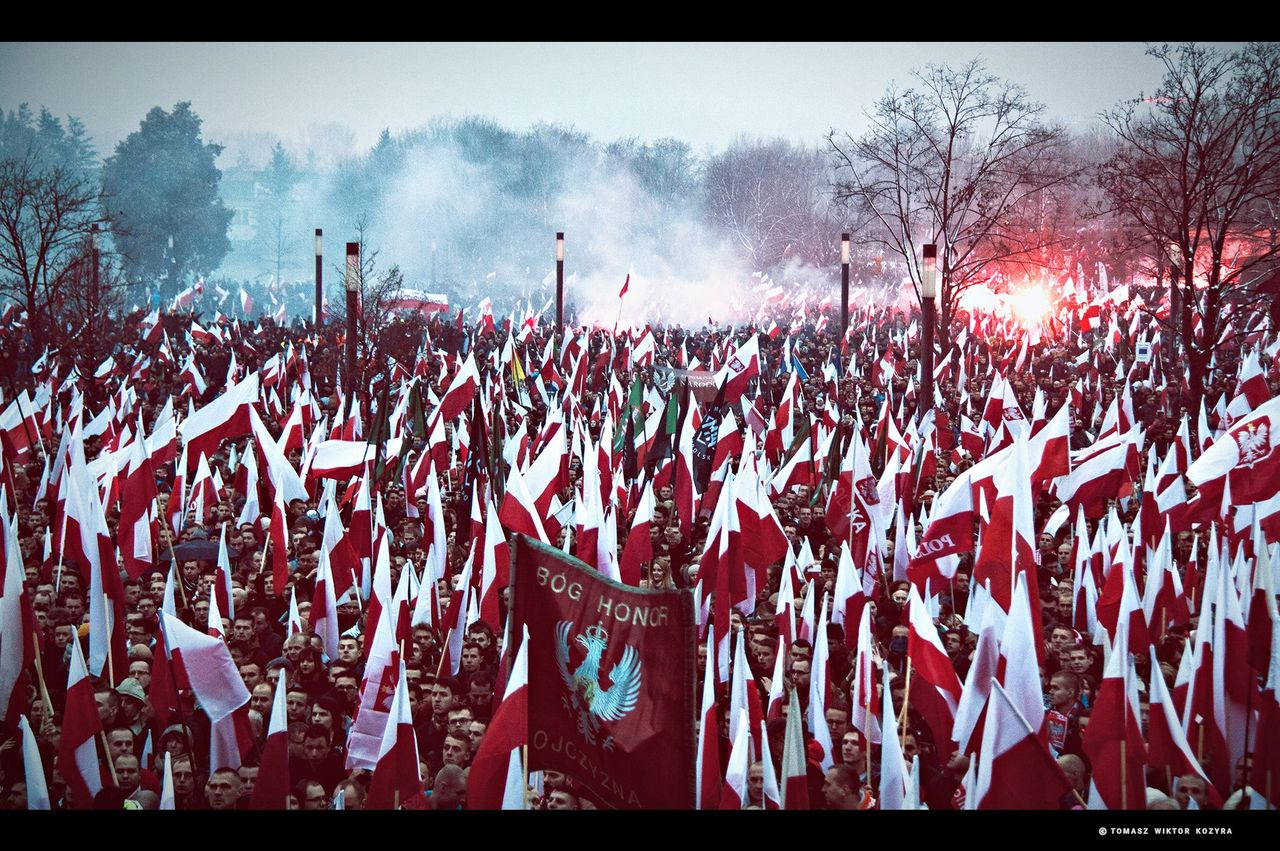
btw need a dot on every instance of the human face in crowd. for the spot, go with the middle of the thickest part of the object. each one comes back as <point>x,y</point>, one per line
<point>316,748</point>
<point>441,700</point>
<point>851,750</point>
<point>349,651</point>
<point>1078,661</point>
<point>1190,786</point>
<point>315,798</point>
<point>223,790</point>
<point>455,750</point>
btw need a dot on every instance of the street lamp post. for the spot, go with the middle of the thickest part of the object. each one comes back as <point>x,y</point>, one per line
<point>559,288</point>
<point>844,285</point>
<point>319,277</point>
<point>353,288</point>
<point>94,293</point>
<point>928,292</point>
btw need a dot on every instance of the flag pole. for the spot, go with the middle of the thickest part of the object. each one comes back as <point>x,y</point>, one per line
<point>444,651</point>
<point>906,701</point>
<point>1124,780</point>
<point>524,762</point>
<point>111,667</point>
<point>106,750</point>
<point>44,689</point>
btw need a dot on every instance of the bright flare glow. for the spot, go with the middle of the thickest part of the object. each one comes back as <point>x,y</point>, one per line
<point>1031,305</point>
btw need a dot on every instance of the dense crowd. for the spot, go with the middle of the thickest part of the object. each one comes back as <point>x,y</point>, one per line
<point>270,639</point>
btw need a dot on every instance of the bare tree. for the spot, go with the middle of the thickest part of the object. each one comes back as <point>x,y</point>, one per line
<point>963,161</point>
<point>45,215</point>
<point>1198,175</point>
<point>767,196</point>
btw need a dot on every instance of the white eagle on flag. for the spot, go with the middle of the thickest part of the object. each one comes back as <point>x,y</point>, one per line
<point>1253,443</point>
<point>587,700</point>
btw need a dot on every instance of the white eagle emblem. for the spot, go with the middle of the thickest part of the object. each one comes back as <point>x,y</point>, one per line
<point>736,365</point>
<point>1253,443</point>
<point>590,703</point>
<point>1013,414</point>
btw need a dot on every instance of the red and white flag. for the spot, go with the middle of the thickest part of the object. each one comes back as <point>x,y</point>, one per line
<point>81,726</point>
<point>507,733</point>
<point>937,701</point>
<point>1015,769</point>
<point>273,788</point>
<point>396,778</point>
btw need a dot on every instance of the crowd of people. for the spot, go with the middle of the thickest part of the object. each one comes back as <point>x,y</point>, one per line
<point>865,385</point>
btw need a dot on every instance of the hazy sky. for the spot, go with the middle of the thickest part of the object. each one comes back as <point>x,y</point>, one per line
<point>705,94</point>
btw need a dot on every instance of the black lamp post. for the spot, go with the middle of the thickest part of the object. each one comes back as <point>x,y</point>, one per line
<point>928,292</point>
<point>319,277</point>
<point>353,289</point>
<point>559,288</point>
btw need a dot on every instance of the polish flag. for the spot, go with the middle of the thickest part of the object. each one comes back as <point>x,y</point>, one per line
<point>507,733</point>
<point>1248,454</point>
<point>207,666</point>
<point>396,778</point>
<point>739,370</point>
<point>707,782</point>
<point>733,794</point>
<point>1113,741</point>
<point>272,789</point>
<point>639,548</point>
<point>1051,445</point>
<point>1015,769</point>
<point>520,512</point>
<point>461,390</point>
<point>495,570</point>
<point>1167,745</point>
<point>278,535</point>
<point>863,715</point>
<point>338,459</point>
<point>795,776</point>
<point>33,768</point>
<point>224,418</point>
<point>1266,750</point>
<point>324,607</point>
<point>950,532</point>
<point>81,726</point>
<point>938,702</point>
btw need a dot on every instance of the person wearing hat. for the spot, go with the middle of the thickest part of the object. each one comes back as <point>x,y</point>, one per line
<point>134,710</point>
<point>176,739</point>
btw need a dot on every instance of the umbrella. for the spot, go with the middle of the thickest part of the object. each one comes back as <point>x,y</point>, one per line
<point>192,550</point>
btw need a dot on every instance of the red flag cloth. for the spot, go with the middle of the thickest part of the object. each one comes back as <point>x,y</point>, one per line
<point>271,791</point>
<point>509,730</point>
<point>625,284</point>
<point>396,778</point>
<point>226,416</point>
<point>1113,740</point>
<point>78,747</point>
<point>1015,769</point>
<point>940,695</point>
<point>630,745</point>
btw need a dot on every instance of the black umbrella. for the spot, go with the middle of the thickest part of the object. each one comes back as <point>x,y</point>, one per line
<point>193,551</point>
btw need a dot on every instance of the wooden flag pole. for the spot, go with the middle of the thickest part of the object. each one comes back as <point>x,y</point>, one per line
<point>44,689</point>
<point>444,650</point>
<point>111,763</point>
<point>111,667</point>
<point>1124,780</point>
<point>906,699</point>
<point>177,572</point>
<point>524,762</point>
